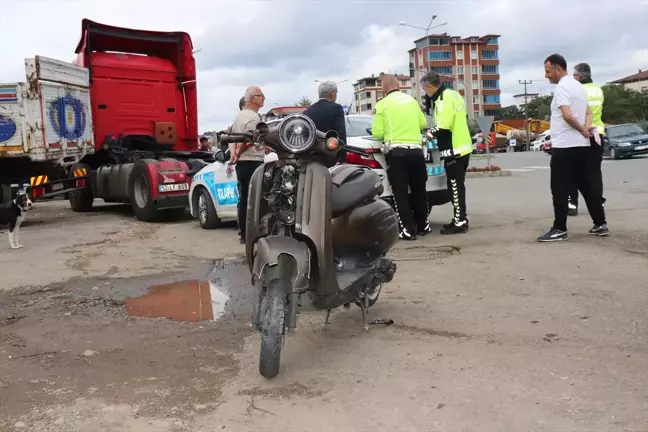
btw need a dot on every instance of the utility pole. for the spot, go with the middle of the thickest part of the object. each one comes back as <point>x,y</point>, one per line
<point>526,111</point>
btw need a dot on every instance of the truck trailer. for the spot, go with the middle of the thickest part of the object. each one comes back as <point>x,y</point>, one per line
<point>120,124</point>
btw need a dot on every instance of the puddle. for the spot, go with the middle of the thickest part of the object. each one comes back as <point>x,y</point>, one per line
<point>195,300</point>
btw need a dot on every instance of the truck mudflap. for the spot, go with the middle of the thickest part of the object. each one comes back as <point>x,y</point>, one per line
<point>43,188</point>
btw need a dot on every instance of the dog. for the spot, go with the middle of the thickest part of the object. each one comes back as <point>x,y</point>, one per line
<point>13,214</point>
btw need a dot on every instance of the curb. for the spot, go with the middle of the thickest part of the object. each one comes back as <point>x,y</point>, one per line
<point>502,173</point>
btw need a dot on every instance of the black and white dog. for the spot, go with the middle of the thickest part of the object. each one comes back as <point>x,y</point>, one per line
<point>13,214</point>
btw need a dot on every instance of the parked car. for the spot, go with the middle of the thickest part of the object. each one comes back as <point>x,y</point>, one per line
<point>546,144</point>
<point>214,190</point>
<point>538,144</point>
<point>625,141</point>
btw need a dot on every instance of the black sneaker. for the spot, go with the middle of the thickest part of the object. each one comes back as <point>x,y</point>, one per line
<point>600,231</point>
<point>553,235</point>
<point>405,235</point>
<point>455,228</point>
<point>451,224</point>
<point>426,230</point>
<point>603,201</point>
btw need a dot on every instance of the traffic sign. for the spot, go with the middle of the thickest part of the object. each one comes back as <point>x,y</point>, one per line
<point>484,123</point>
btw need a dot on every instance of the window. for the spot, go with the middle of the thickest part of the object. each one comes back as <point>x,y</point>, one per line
<point>366,107</point>
<point>442,70</point>
<point>379,94</point>
<point>461,86</point>
<point>491,99</point>
<point>475,70</point>
<point>440,55</point>
<point>420,58</point>
<point>357,126</point>
<point>368,94</point>
<point>476,100</point>
<point>490,69</point>
<point>493,113</point>
<point>460,54</point>
<point>444,41</point>
<point>476,113</point>
<point>460,70</point>
<point>363,96</point>
<point>434,41</point>
<point>449,84</point>
<point>475,85</point>
<point>474,39</point>
<point>493,41</point>
<point>489,54</point>
<point>473,54</point>
<point>491,84</point>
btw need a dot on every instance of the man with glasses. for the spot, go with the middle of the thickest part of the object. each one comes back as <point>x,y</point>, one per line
<point>245,155</point>
<point>595,99</point>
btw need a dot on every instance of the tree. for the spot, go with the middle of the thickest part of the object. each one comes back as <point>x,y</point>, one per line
<point>304,102</point>
<point>540,107</point>
<point>473,127</point>
<point>510,112</point>
<point>624,106</point>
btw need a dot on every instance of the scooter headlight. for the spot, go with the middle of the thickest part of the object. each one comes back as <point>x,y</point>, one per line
<point>297,133</point>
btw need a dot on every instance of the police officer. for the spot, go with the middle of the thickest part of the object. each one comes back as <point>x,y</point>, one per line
<point>455,144</point>
<point>595,99</point>
<point>398,122</point>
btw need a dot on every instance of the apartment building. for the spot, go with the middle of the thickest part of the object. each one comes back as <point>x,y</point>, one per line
<point>368,91</point>
<point>637,82</point>
<point>469,65</point>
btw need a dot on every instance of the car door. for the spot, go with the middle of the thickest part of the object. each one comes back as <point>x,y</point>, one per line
<point>222,184</point>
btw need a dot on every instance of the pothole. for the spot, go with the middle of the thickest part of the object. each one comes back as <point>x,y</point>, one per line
<point>421,253</point>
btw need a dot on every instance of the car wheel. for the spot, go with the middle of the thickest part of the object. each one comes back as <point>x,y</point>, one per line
<point>205,210</point>
<point>613,154</point>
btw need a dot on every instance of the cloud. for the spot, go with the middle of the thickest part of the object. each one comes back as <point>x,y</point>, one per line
<point>284,45</point>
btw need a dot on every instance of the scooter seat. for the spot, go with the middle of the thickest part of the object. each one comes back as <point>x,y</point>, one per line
<point>353,185</point>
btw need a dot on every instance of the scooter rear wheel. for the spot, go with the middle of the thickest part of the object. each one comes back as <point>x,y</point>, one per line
<point>273,316</point>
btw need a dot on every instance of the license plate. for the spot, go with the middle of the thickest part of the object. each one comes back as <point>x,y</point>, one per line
<point>174,187</point>
<point>57,186</point>
<point>643,147</point>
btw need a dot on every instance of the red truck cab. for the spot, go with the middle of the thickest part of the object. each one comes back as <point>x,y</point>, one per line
<point>145,115</point>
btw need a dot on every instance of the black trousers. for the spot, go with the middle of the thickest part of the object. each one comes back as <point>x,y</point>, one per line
<point>456,175</point>
<point>575,167</point>
<point>598,174</point>
<point>406,169</point>
<point>244,171</point>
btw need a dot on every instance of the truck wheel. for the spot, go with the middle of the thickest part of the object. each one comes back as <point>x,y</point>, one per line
<point>139,192</point>
<point>207,215</point>
<point>81,200</point>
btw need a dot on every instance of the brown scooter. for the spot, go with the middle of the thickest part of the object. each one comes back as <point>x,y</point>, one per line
<point>311,230</point>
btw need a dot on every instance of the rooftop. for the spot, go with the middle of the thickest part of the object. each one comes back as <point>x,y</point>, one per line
<point>382,74</point>
<point>459,39</point>
<point>639,76</point>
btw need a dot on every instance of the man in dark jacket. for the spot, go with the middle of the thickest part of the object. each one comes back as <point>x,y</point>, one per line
<point>329,115</point>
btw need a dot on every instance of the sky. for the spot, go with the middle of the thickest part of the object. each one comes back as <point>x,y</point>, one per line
<point>283,46</point>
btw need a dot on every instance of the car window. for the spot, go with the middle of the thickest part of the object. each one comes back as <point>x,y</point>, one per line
<point>624,130</point>
<point>357,126</point>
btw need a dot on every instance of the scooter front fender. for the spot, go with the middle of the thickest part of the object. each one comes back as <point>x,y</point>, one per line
<point>267,252</point>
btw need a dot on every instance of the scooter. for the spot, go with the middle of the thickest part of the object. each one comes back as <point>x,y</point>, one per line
<point>311,230</point>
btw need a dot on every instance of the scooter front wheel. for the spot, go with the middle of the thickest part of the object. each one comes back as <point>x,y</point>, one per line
<point>273,316</point>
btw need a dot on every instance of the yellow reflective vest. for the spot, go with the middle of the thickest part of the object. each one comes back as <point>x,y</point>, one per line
<point>398,119</point>
<point>595,99</point>
<point>450,114</point>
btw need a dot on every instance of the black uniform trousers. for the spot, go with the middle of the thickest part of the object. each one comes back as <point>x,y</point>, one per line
<point>597,179</point>
<point>576,167</point>
<point>406,170</point>
<point>244,171</point>
<point>456,174</point>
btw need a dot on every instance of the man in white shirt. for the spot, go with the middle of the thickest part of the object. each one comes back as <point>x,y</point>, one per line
<point>571,155</point>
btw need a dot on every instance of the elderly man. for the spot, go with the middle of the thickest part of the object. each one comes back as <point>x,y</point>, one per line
<point>246,157</point>
<point>595,99</point>
<point>328,115</point>
<point>572,158</point>
<point>398,121</point>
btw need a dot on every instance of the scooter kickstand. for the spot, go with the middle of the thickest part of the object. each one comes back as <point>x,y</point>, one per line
<point>365,316</point>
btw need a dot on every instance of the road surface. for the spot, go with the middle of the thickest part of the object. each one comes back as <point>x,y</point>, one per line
<point>493,331</point>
